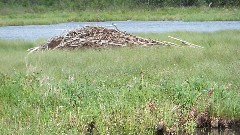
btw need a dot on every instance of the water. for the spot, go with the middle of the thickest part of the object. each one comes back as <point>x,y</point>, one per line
<point>34,32</point>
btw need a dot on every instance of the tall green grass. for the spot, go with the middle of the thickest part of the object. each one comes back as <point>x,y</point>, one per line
<point>27,16</point>
<point>117,90</point>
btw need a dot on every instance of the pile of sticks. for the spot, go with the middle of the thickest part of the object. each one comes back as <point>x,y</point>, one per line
<point>99,37</point>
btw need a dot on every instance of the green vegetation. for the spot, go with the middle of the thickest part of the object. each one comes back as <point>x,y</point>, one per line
<point>25,12</point>
<point>118,90</point>
<point>83,4</point>
<point>25,16</point>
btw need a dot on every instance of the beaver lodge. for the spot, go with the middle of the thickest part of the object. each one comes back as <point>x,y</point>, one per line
<point>100,37</point>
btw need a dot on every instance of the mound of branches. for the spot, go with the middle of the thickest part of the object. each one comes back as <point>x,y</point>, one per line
<point>94,37</point>
<point>100,37</point>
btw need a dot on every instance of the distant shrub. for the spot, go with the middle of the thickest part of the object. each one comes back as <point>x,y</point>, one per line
<point>101,4</point>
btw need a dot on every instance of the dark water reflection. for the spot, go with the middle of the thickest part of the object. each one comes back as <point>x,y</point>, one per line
<point>33,32</point>
<point>215,131</point>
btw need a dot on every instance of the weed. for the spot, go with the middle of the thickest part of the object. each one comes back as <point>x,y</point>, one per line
<point>120,91</point>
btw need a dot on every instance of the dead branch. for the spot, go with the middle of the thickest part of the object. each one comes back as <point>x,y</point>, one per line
<point>185,42</point>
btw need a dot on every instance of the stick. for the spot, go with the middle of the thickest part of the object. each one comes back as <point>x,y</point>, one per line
<point>169,43</point>
<point>33,49</point>
<point>185,42</point>
<point>115,26</point>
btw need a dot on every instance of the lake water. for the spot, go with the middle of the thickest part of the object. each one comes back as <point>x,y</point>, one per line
<point>34,32</point>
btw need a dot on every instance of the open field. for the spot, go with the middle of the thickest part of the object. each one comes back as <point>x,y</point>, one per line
<point>27,16</point>
<point>119,90</point>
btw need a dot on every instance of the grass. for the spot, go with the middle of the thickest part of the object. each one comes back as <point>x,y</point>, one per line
<point>25,16</point>
<point>118,90</point>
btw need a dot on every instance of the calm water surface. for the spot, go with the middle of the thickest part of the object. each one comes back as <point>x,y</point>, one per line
<point>34,32</point>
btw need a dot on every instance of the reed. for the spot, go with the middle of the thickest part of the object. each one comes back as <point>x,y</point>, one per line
<point>119,90</point>
<point>28,16</point>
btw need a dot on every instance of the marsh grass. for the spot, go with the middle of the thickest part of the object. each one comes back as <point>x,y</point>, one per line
<point>118,90</point>
<point>26,16</point>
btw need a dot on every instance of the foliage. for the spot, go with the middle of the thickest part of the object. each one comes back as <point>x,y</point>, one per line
<point>44,15</point>
<point>100,4</point>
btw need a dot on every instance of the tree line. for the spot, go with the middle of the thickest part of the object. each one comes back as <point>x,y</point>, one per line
<point>82,4</point>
